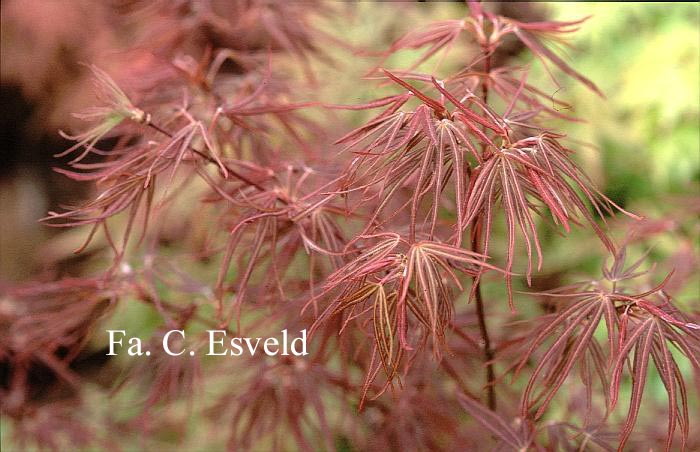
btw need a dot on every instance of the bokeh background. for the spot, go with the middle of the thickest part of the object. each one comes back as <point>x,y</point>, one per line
<point>641,145</point>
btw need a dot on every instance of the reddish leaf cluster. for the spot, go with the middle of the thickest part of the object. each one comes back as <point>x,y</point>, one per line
<point>379,250</point>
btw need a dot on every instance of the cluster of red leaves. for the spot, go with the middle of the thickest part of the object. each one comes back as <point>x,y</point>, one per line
<point>372,256</point>
<point>640,325</point>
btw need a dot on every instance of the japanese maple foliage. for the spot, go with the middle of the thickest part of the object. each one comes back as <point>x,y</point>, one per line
<point>378,239</point>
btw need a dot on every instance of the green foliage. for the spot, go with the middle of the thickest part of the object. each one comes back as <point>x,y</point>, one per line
<point>646,59</point>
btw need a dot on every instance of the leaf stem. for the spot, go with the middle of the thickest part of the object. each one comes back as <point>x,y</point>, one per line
<point>476,236</point>
<point>483,330</point>
<point>210,159</point>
